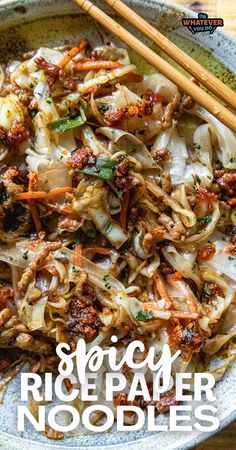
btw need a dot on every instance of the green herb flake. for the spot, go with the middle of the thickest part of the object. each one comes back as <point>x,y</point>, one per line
<point>232,159</point>
<point>74,269</point>
<point>197,146</point>
<point>232,258</point>
<point>108,227</point>
<point>205,219</point>
<point>11,258</point>
<point>144,315</point>
<point>103,168</point>
<point>107,284</point>
<point>25,255</point>
<point>103,108</point>
<point>206,290</point>
<point>198,180</point>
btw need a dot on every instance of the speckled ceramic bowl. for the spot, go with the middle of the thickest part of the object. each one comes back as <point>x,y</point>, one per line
<point>29,24</point>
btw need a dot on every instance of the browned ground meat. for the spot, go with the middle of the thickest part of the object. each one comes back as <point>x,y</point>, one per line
<point>85,319</point>
<point>167,399</point>
<point>122,174</point>
<point>3,133</point>
<point>131,336</point>
<point>176,108</point>
<point>82,157</point>
<point>206,252</point>
<point>48,68</point>
<point>5,294</point>
<point>17,133</point>
<point>115,116</point>
<point>122,400</point>
<point>226,180</point>
<point>160,155</point>
<point>211,291</point>
<point>204,194</point>
<point>185,337</point>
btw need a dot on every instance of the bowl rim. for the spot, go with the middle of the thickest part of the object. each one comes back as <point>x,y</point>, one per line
<point>10,4</point>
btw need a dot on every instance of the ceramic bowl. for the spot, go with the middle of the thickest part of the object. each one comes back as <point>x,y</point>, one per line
<point>29,24</point>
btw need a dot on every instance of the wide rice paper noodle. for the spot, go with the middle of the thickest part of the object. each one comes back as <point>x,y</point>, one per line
<point>213,309</point>
<point>112,75</point>
<point>159,84</point>
<point>178,153</point>
<point>226,138</point>
<point>186,215</point>
<point>129,143</point>
<point>27,73</point>
<point>121,98</point>
<point>222,261</point>
<point>11,110</point>
<point>44,100</point>
<point>182,261</point>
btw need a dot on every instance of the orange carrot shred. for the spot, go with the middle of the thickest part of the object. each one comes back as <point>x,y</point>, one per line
<point>124,210</point>
<point>98,249</point>
<point>42,194</point>
<point>149,306</point>
<point>232,202</point>
<point>33,208</point>
<point>73,52</point>
<point>160,287</point>
<point>97,65</point>
<point>79,254</point>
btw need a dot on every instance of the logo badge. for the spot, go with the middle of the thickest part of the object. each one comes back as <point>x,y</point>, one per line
<point>202,23</point>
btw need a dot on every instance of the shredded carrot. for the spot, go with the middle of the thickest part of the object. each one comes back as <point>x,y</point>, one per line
<point>160,288</point>
<point>35,216</point>
<point>33,208</point>
<point>177,275</point>
<point>149,306</point>
<point>98,249</point>
<point>232,202</point>
<point>124,210</point>
<point>42,194</point>
<point>97,65</point>
<point>73,52</point>
<point>79,253</point>
<point>185,292</point>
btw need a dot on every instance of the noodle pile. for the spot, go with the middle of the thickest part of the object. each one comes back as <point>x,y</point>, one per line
<point>118,215</point>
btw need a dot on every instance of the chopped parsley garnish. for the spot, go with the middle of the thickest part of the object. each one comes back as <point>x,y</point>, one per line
<point>206,290</point>
<point>11,258</point>
<point>198,146</point>
<point>103,108</point>
<point>232,159</point>
<point>108,227</point>
<point>107,283</point>
<point>232,258</point>
<point>103,168</point>
<point>198,179</point>
<point>205,219</point>
<point>25,255</point>
<point>144,315</point>
<point>74,269</point>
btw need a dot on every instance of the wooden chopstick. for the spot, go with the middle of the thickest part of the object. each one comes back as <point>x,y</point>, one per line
<point>199,72</point>
<point>201,97</point>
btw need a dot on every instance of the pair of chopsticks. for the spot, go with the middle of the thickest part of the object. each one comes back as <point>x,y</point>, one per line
<point>207,79</point>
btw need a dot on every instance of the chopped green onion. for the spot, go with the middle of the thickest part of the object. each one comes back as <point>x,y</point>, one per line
<point>144,315</point>
<point>103,168</point>
<point>205,219</point>
<point>67,123</point>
